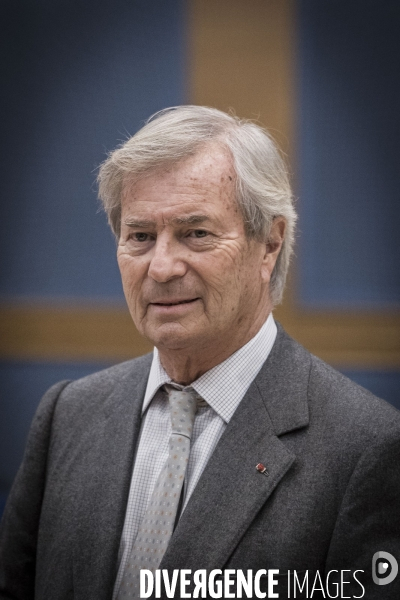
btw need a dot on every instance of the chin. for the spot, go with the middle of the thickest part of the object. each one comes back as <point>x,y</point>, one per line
<point>172,336</point>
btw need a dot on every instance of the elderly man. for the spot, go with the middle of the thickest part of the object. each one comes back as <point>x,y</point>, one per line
<point>230,448</point>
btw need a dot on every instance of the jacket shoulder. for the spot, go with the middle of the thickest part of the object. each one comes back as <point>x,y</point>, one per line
<point>105,380</point>
<point>350,402</point>
<point>332,397</point>
<point>88,395</point>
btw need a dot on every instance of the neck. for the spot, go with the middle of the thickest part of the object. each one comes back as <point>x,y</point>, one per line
<point>185,365</point>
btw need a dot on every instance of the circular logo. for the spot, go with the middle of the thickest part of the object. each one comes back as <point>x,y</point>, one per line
<point>384,568</point>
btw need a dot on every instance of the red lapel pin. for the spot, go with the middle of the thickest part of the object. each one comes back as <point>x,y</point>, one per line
<point>261,469</point>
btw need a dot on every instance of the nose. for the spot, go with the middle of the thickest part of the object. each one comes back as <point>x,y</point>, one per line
<point>166,262</point>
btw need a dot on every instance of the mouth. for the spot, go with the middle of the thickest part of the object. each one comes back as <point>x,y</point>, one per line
<point>175,303</point>
<point>173,308</point>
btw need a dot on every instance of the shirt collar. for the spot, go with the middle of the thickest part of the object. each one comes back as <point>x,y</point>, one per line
<point>223,386</point>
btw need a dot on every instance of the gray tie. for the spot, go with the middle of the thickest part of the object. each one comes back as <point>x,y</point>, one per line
<point>158,522</point>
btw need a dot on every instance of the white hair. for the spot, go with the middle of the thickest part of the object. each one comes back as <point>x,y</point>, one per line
<point>263,190</point>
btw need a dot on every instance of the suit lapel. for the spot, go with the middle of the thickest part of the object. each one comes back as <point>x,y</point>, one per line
<point>231,491</point>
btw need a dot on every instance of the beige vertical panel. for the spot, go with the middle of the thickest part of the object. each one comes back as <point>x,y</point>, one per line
<point>241,57</point>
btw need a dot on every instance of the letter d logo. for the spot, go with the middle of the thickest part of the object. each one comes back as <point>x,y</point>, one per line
<point>384,568</point>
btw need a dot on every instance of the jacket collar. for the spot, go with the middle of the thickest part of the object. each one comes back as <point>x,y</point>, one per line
<point>283,384</point>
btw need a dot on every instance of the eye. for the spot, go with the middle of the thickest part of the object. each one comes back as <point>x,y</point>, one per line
<point>199,233</point>
<point>139,236</point>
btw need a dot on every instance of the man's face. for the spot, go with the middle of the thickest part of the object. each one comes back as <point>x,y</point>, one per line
<point>190,275</point>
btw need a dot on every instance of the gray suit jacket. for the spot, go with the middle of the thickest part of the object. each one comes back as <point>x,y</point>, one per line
<point>330,499</point>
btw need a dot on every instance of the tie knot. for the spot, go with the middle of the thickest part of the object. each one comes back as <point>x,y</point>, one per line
<point>183,407</point>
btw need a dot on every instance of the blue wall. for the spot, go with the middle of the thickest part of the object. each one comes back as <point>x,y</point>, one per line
<point>79,77</point>
<point>348,153</point>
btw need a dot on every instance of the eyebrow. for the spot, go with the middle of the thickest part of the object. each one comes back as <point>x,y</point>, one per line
<point>187,220</point>
<point>190,219</point>
<point>139,223</point>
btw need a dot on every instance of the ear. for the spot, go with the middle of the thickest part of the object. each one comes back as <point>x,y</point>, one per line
<point>273,247</point>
